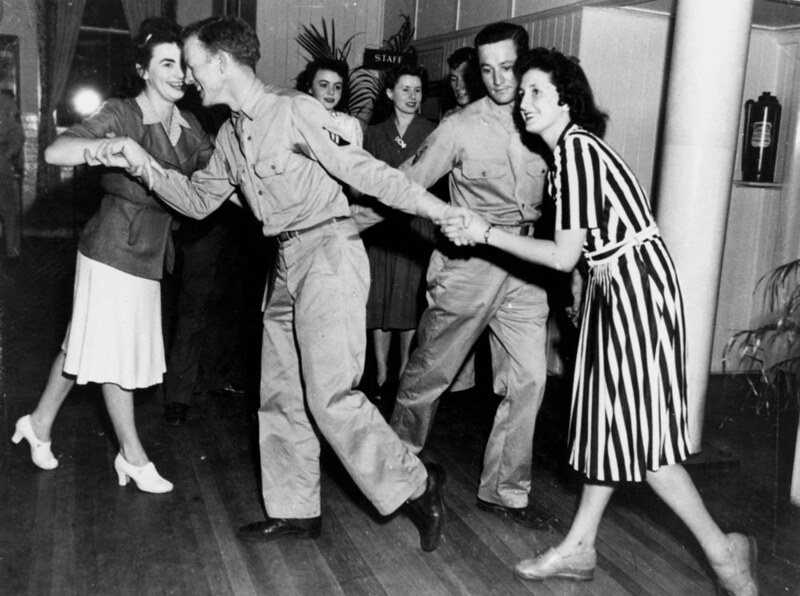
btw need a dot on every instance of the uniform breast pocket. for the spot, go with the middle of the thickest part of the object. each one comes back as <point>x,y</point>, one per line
<point>483,169</point>
<point>271,166</point>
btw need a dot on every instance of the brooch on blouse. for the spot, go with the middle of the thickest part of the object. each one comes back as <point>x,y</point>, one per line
<point>399,140</point>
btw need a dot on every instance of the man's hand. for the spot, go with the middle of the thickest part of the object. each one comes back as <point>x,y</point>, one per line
<point>463,227</point>
<point>123,152</point>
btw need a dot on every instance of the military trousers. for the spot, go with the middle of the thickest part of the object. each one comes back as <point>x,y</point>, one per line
<point>467,295</point>
<point>312,359</point>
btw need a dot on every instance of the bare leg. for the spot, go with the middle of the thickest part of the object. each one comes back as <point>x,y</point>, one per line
<point>119,403</point>
<point>583,531</point>
<point>382,341</point>
<point>55,392</point>
<point>675,487</point>
<point>406,338</point>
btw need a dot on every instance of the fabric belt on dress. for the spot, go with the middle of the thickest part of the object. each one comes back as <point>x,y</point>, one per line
<point>289,234</point>
<point>602,260</point>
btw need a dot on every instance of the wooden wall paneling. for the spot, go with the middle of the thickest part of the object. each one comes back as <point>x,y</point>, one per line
<point>280,21</point>
<point>477,13</point>
<point>624,56</point>
<point>788,241</point>
<point>436,17</point>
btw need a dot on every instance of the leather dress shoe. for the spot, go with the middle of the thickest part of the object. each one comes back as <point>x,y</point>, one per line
<point>275,527</point>
<point>175,413</point>
<point>552,565</point>
<point>529,516</point>
<point>427,510</point>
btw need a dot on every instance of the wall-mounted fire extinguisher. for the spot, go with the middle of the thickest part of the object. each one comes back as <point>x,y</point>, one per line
<point>762,121</point>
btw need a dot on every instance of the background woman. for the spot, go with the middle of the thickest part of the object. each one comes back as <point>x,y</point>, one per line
<point>628,420</point>
<point>114,337</point>
<point>326,80</point>
<point>399,247</point>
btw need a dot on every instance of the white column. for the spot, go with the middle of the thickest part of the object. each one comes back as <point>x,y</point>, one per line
<point>704,102</point>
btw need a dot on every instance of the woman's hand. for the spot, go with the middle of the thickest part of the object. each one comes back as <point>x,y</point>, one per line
<point>464,227</point>
<point>123,152</point>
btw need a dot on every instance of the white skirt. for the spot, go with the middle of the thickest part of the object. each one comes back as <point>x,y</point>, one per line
<point>115,332</point>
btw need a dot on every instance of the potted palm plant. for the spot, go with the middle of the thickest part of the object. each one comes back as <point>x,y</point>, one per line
<point>769,355</point>
<point>365,84</point>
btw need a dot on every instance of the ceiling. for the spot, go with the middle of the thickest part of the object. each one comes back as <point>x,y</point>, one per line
<point>767,13</point>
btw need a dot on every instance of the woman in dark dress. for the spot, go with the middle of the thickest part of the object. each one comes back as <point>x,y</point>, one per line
<point>114,336</point>
<point>399,247</point>
<point>628,419</point>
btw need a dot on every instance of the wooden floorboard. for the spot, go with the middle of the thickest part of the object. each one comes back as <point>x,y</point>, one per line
<point>75,531</point>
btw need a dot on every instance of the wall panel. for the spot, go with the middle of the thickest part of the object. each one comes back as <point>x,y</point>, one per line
<point>279,22</point>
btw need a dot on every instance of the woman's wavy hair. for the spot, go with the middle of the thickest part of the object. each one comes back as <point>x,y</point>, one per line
<point>340,67</point>
<point>384,108</point>
<point>152,32</point>
<point>571,83</point>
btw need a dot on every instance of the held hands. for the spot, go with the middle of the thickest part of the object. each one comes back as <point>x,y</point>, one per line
<point>464,227</point>
<point>123,152</point>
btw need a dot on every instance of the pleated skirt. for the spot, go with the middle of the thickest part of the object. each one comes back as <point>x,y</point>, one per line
<point>629,412</point>
<point>115,333</point>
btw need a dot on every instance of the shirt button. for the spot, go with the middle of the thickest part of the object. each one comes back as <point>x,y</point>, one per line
<point>249,138</point>
<point>260,193</point>
<point>273,166</point>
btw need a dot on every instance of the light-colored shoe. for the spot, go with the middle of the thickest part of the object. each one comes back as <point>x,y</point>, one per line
<point>552,565</point>
<point>41,454</point>
<point>737,576</point>
<point>146,477</point>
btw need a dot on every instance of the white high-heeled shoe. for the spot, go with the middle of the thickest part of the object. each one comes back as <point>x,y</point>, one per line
<point>41,454</point>
<point>146,477</point>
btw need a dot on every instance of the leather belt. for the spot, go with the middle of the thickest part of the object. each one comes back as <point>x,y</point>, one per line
<point>289,234</point>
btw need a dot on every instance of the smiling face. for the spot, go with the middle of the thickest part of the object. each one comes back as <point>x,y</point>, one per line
<point>406,95</point>
<point>539,106</point>
<point>459,84</point>
<point>203,70</point>
<point>326,88</point>
<point>496,62</point>
<point>163,75</point>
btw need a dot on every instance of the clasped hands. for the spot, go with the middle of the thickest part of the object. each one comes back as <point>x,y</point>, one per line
<point>124,152</point>
<point>463,227</point>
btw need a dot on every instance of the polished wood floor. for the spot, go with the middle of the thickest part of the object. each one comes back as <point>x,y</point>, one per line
<point>74,531</point>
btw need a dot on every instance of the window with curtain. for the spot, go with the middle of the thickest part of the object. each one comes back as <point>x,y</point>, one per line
<point>102,54</point>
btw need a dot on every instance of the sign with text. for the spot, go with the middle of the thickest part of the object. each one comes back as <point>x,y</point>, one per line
<point>387,59</point>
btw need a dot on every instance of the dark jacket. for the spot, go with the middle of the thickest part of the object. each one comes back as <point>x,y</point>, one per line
<point>132,229</point>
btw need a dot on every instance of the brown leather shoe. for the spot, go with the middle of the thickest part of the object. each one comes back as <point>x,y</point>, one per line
<point>427,511</point>
<point>273,528</point>
<point>551,565</point>
<point>529,516</point>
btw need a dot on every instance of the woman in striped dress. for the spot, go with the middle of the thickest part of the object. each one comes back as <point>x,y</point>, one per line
<point>628,417</point>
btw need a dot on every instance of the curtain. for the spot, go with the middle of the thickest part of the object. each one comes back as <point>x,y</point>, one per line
<point>62,23</point>
<point>137,11</point>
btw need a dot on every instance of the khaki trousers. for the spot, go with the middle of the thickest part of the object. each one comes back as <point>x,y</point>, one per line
<point>467,296</point>
<point>312,359</point>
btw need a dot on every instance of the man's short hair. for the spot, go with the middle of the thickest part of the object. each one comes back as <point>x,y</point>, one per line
<point>500,32</point>
<point>460,56</point>
<point>229,34</point>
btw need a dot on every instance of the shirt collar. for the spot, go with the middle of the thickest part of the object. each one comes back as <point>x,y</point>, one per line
<point>149,115</point>
<point>251,100</point>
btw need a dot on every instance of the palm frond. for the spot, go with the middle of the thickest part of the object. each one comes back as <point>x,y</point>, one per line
<point>318,44</point>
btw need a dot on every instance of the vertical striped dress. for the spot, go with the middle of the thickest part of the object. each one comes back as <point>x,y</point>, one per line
<point>628,411</point>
